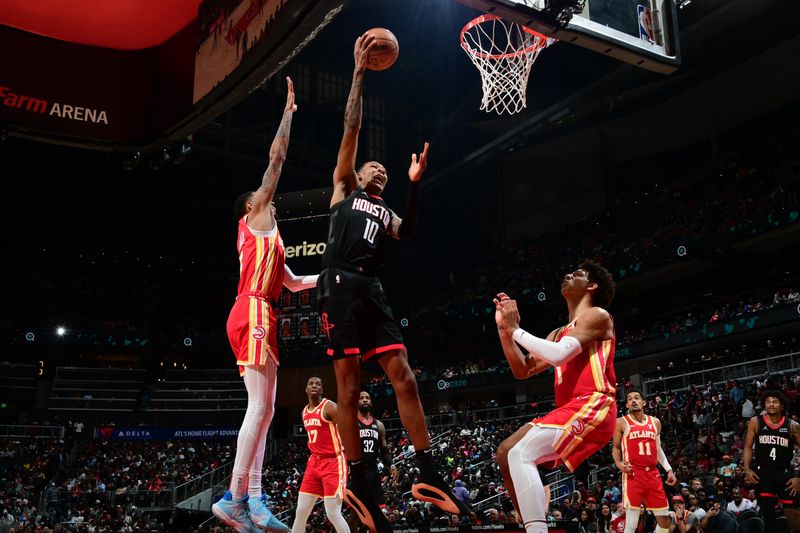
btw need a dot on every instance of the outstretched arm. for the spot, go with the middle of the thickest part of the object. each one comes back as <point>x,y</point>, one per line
<point>595,323</point>
<point>344,175</point>
<point>261,217</point>
<point>297,283</point>
<point>522,366</point>
<point>403,228</point>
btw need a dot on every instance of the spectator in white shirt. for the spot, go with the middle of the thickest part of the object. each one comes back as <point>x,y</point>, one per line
<point>738,503</point>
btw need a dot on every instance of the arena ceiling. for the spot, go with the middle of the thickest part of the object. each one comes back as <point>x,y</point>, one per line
<point>120,25</point>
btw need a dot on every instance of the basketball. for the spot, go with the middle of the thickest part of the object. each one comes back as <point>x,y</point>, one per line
<point>385,51</point>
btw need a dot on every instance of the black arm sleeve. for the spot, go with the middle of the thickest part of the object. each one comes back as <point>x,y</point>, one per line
<point>409,224</point>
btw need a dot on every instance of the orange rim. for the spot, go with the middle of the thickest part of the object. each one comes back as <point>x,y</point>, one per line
<point>540,43</point>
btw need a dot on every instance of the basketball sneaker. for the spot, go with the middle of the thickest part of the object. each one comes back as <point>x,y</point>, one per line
<point>234,513</point>
<point>262,517</point>
<point>357,496</point>
<point>432,488</point>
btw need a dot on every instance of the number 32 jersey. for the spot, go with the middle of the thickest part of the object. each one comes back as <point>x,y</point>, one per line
<point>358,225</point>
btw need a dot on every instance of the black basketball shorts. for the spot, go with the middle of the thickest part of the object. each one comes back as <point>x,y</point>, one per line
<point>772,484</point>
<point>355,315</point>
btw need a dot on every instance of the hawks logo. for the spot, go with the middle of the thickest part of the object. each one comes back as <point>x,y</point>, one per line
<point>258,332</point>
<point>578,426</point>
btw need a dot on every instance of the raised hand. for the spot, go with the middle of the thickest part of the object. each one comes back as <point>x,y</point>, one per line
<point>290,105</point>
<point>361,50</point>
<point>418,166</point>
<point>506,314</point>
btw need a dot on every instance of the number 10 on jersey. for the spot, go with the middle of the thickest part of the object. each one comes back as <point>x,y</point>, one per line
<point>370,231</point>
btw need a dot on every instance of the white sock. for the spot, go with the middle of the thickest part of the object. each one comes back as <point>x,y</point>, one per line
<point>660,529</point>
<point>535,446</point>
<point>260,382</point>
<point>305,503</point>
<point>254,481</point>
<point>333,509</point>
<point>632,520</point>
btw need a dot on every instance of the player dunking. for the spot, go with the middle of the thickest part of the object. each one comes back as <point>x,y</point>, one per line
<point>354,310</point>
<point>582,354</point>
<point>774,436</point>
<point>252,331</point>
<point>637,452</point>
<point>326,472</point>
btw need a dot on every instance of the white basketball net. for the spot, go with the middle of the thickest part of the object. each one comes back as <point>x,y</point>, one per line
<point>504,53</point>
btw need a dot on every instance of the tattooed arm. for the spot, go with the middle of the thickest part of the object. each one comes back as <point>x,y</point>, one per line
<point>344,175</point>
<point>262,216</point>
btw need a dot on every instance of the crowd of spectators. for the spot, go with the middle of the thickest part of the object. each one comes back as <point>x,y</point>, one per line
<point>102,490</point>
<point>738,195</point>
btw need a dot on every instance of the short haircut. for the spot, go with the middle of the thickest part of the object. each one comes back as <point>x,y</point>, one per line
<point>606,287</point>
<point>635,391</point>
<point>240,205</point>
<point>775,393</point>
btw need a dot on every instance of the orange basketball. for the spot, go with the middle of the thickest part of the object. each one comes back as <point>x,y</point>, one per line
<point>385,50</point>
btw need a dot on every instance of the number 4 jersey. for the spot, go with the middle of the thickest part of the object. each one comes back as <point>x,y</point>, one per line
<point>358,225</point>
<point>774,446</point>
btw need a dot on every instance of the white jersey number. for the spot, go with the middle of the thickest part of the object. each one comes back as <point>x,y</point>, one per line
<point>371,230</point>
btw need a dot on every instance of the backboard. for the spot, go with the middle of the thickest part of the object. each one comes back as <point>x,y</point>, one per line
<point>641,32</point>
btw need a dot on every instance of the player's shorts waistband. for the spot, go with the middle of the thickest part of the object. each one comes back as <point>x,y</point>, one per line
<point>638,468</point>
<point>261,295</point>
<point>326,455</point>
<point>353,269</point>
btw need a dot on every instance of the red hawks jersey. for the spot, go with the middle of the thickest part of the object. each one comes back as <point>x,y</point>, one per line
<point>261,261</point>
<point>323,436</point>
<point>589,372</point>
<point>639,445</point>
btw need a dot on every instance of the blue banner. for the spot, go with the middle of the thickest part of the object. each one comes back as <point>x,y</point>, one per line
<point>156,433</point>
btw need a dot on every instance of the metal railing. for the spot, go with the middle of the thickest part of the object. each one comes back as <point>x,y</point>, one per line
<point>561,486</point>
<point>36,432</point>
<point>776,365</point>
<point>197,485</point>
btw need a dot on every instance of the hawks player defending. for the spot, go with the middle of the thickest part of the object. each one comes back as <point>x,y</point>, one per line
<point>774,436</point>
<point>582,354</point>
<point>326,472</point>
<point>252,331</point>
<point>354,309</point>
<point>637,450</point>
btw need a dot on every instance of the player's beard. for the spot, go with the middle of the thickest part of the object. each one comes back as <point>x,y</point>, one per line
<point>364,410</point>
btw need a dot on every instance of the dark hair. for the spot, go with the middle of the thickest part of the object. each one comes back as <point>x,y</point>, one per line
<point>240,205</point>
<point>605,283</point>
<point>774,393</point>
<point>636,391</point>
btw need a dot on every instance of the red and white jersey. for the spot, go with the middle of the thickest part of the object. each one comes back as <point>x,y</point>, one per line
<point>639,444</point>
<point>589,372</point>
<point>261,262</point>
<point>323,435</point>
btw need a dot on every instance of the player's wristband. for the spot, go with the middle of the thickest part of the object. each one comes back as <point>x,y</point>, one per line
<point>555,353</point>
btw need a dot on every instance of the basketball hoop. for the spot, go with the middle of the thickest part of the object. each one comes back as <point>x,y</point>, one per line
<point>504,53</point>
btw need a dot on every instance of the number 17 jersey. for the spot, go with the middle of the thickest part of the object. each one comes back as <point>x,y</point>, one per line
<point>358,225</point>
